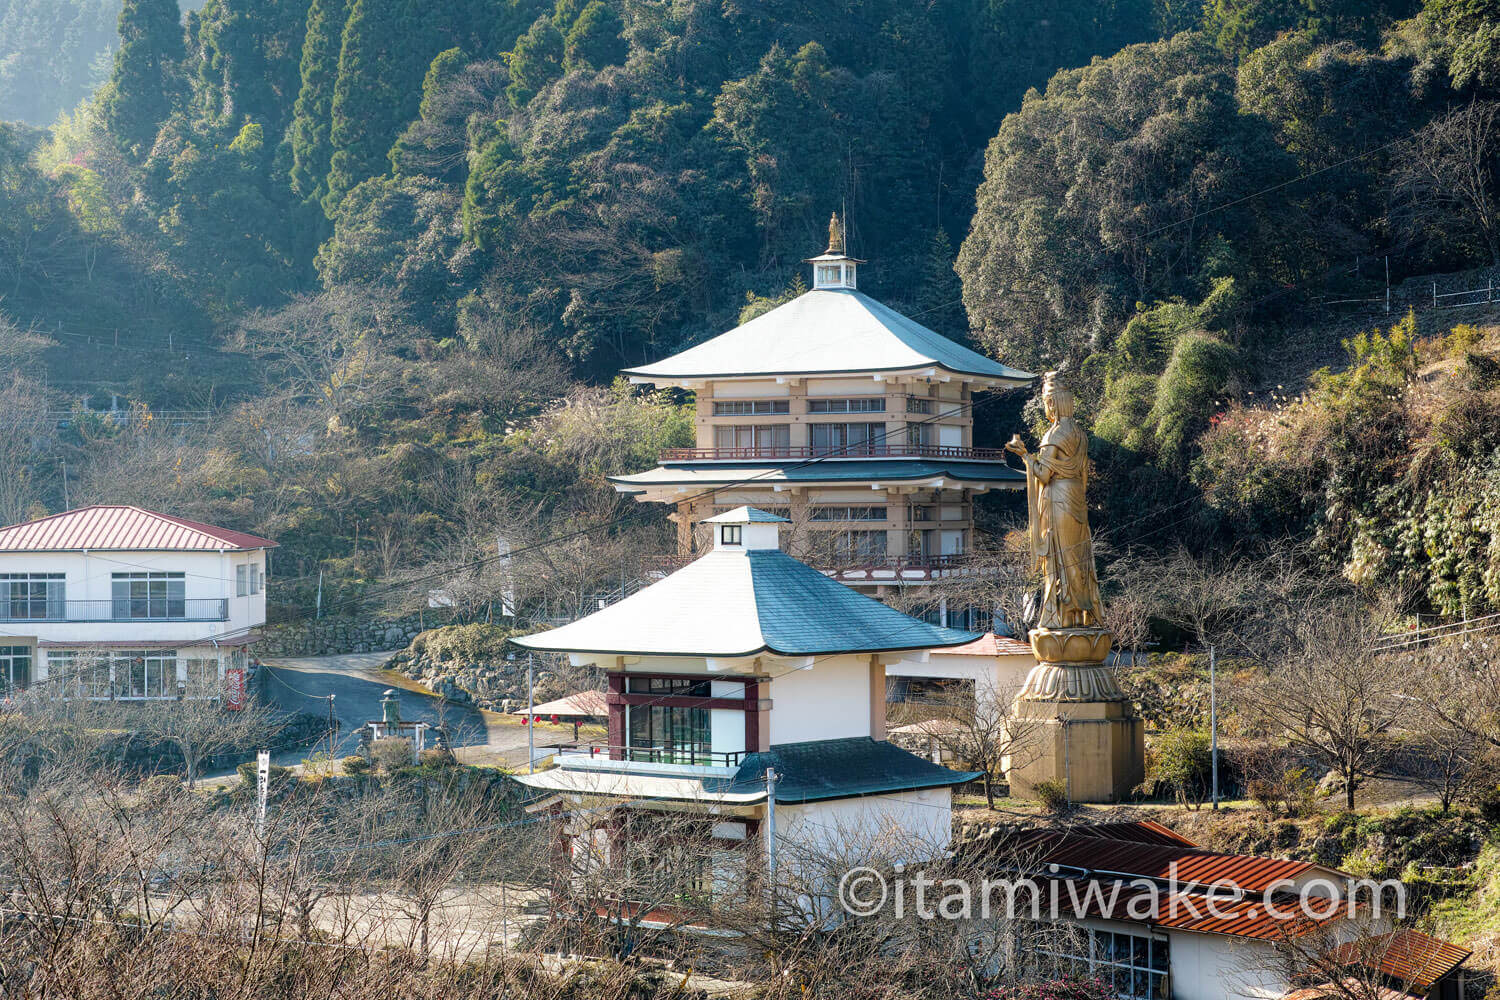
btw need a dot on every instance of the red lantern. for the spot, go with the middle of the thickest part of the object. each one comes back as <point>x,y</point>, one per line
<point>554,720</point>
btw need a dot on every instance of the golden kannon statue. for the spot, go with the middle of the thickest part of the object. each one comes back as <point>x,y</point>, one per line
<point>1062,549</point>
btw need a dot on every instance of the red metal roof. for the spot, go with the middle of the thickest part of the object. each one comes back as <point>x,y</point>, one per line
<point>990,644</point>
<point>1143,831</point>
<point>1410,957</point>
<point>1159,860</point>
<point>118,527</point>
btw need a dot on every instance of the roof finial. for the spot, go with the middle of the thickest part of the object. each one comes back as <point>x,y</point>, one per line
<point>835,235</point>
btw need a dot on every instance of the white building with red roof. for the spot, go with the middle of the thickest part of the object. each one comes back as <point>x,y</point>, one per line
<point>117,602</point>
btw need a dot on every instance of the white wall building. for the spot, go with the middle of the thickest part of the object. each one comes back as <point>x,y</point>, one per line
<point>746,661</point>
<point>117,602</point>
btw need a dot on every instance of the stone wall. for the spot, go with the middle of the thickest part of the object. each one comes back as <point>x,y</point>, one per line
<point>340,634</point>
<point>470,665</point>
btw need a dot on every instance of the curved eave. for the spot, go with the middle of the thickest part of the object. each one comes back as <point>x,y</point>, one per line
<point>731,655</point>
<point>1012,377</point>
<point>633,484</point>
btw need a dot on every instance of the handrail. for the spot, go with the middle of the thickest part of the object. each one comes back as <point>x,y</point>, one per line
<point>777,452</point>
<point>658,755</point>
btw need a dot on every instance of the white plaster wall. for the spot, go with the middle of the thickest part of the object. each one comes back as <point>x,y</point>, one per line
<point>829,700</point>
<point>904,826</point>
<point>749,389</point>
<point>846,387</point>
<point>1004,674</point>
<point>1214,967</point>
<point>207,575</point>
<point>726,725</point>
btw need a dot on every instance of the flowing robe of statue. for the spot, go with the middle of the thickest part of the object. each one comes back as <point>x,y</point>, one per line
<point>1062,548</point>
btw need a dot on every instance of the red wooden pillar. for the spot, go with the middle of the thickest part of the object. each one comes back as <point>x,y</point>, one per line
<point>616,700</point>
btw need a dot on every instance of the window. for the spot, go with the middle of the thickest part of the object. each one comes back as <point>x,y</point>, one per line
<point>241,581</point>
<point>856,546</point>
<point>764,436</point>
<point>830,274</point>
<point>257,580</point>
<point>848,514</point>
<point>203,678</point>
<point>846,439</point>
<point>1135,965</point>
<point>146,673</point>
<point>924,513</point>
<point>918,404</point>
<point>750,407</point>
<point>681,687</point>
<point>32,595</point>
<point>872,404</point>
<point>676,732</point>
<point>15,669</point>
<point>148,595</point>
<point>729,534</point>
<point>72,674</point>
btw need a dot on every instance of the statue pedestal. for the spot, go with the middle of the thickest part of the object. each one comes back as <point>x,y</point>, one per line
<point>1073,724</point>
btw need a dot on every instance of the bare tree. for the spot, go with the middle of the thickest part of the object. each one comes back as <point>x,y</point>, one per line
<point>1444,178</point>
<point>27,428</point>
<point>1333,698</point>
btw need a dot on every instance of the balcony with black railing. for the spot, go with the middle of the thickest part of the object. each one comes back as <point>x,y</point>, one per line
<point>604,754</point>
<point>212,609</point>
<point>777,453</point>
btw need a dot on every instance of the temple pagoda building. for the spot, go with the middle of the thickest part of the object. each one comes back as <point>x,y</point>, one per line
<point>849,419</point>
<point>747,703</point>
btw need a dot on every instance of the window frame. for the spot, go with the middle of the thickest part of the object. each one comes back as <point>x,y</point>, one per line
<point>731,534</point>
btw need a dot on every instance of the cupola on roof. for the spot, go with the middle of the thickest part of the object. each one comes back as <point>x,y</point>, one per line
<point>831,330</point>
<point>742,598</point>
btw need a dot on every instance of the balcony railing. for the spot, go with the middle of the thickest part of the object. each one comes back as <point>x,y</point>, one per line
<point>213,609</point>
<point>654,755</point>
<point>782,452</point>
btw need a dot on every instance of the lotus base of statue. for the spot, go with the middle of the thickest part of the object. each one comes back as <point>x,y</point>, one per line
<point>1070,645</point>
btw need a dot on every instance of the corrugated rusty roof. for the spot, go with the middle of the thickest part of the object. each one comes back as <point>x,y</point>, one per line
<point>1158,860</point>
<point>1408,956</point>
<point>1144,831</point>
<point>119,527</point>
<point>1117,899</point>
<point>1345,989</point>
<point>991,644</point>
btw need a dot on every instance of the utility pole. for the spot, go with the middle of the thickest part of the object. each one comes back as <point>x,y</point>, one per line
<point>1213,720</point>
<point>320,592</point>
<point>333,727</point>
<point>262,787</point>
<point>770,827</point>
<point>530,718</point>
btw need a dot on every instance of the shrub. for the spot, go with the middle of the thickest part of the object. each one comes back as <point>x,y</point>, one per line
<point>434,757</point>
<point>392,753</point>
<point>162,787</point>
<point>1181,760</point>
<point>476,643</point>
<point>355,764</point>
<point>246,771</point>
<point>1052,794</point>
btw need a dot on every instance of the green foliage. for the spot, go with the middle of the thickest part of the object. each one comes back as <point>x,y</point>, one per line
<point>1086,187</point>
<point>1180,761</point>
<point>312,114</point>
<point>52,55</point>
<point>146,83</point>
<point>355,765</point>
<point>535,61</point>
<point>594,41</point>
<point>1052,794</point>
<point>1466,34</point>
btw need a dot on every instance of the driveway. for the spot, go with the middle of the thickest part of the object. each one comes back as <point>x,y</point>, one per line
<point>303,684</point>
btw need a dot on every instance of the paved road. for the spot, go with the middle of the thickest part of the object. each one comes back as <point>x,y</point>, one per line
<point>303,684</point>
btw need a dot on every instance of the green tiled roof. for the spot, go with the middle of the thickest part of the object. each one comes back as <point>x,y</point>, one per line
<point>732,603</point>
<point>837,769</point>
<point>822,470</point>
<point>823,332</point>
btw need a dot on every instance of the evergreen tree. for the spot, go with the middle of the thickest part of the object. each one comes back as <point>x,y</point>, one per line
<point>145,85</point>
<point>246,52</point>
<point>535,61</point>
<point>312,116</point>
<point>594,40</point>
<point>381,63</point>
